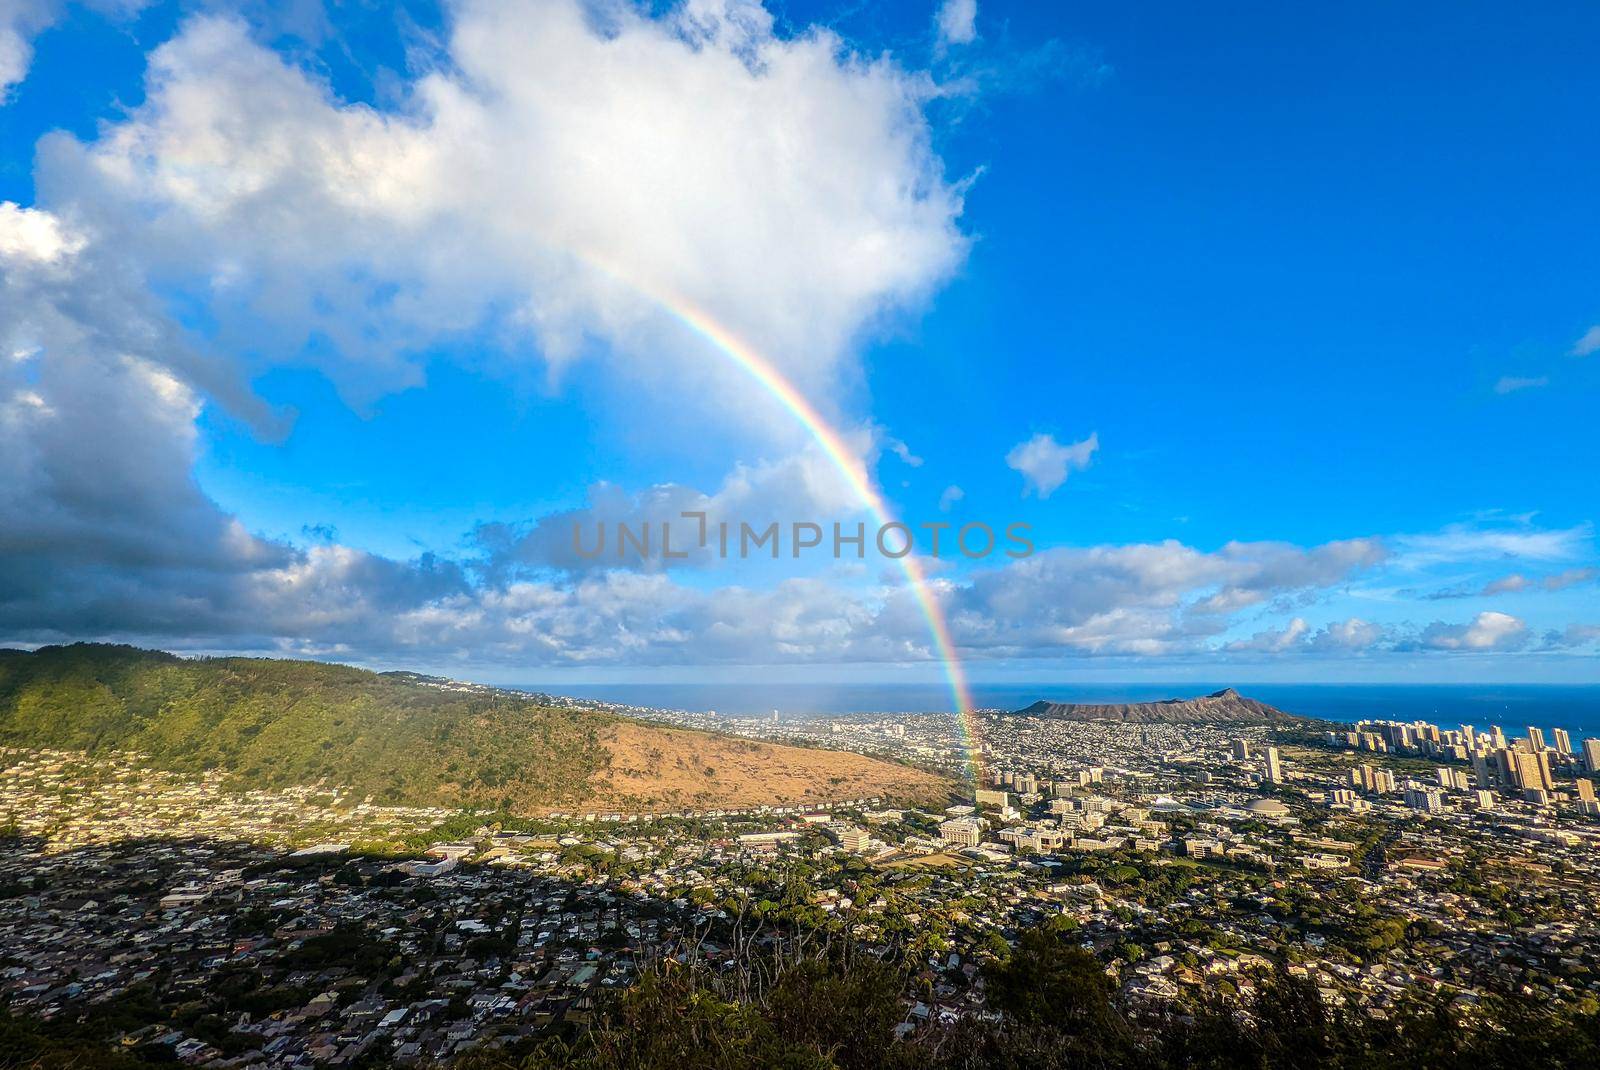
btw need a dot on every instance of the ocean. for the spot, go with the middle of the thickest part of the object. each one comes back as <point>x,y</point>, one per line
<point>1575,708</point>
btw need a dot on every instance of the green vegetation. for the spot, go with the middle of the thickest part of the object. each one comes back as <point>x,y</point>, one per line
<point>1055,1009</point>
<point>28,1043</point>
<point>277,724</point>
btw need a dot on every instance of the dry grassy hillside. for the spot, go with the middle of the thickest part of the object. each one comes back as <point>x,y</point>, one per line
<point>654,768</point>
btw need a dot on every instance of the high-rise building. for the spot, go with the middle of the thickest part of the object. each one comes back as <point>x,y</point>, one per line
<point>1274,766</point>
<point>1428,800</point>
<point>1585,790</point>
<point>1367,778</point>
<point>1505,767</point>
<point>1482,777</point>
<point>1497,738</point>
<point>1563,743</point>
<point>1591,755</point>
<point>1531,769</point>
<point>1535,738</point>
<point>1241,749</point>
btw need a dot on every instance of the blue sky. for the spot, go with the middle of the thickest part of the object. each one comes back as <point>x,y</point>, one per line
<point>311,335</point>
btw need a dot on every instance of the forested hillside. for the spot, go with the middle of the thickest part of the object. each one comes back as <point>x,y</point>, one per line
<point>397,739</point>
<point>278,723</point>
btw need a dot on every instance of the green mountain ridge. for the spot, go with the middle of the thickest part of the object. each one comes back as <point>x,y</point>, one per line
<point>277,724</point>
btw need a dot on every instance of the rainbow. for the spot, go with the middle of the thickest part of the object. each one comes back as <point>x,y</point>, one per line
<point>762,370</point>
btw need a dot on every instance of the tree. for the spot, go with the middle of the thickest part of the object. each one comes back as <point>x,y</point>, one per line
<point>1056,997</point>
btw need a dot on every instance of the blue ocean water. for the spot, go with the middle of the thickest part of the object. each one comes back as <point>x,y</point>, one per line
<point>1513,706</point>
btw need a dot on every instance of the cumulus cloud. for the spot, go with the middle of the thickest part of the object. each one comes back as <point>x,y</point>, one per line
<point>20,22</point>
<point>956,22</point>
<point>132,549</point>
<point>1258,571</point>
<point>949,497</point>
<point>1274,641</point>
<point>1045,463</point>
<point>101,522</point>
<point>1507,584</point>
<point>1350,636</point>
<point>31,238</point>
<point>1572,636</point>
<point>561,175</point>
<point>1148,598</point>
<point>1517,582</point>
<point>97,435</point>
<point>805,486</point>
<point>1488,631</point>
<point>556,175</point>
<point>1572,577</point>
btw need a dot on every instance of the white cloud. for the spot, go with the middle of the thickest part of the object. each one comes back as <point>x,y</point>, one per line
<point>1559,581</point>
<point>1347,636</point>
<point>805,486</point>
<point>784,185</point>
<point>558,177</point>
<point>1273,641</point>
<point>1573,635</point>
<point>559,173</point>
<point>20,22</point>
<point>957,22</point>
<point>949,497</point>
<point>1589,343</point>
<point>34,237</point>
<point>1487,631</point>
<point>1460,542</point>
<point>1140,599</point>
<point>1572,577</point>
<point>1044,463</point>
<point>1350,636</point>
<point>902,451</point>
<point>1506,584</point>
<point>1510,384</point>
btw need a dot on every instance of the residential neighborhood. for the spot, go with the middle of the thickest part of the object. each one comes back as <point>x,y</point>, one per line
<point>311,928</point>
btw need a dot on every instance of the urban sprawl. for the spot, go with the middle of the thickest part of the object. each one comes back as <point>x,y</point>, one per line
<point>311,928</point>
